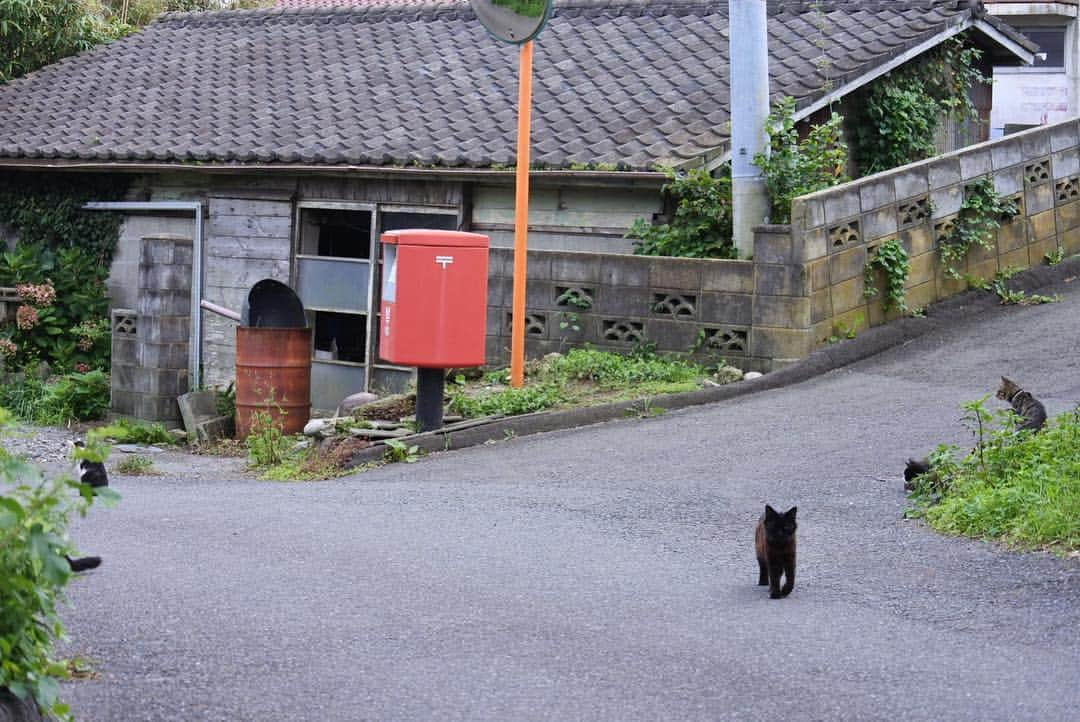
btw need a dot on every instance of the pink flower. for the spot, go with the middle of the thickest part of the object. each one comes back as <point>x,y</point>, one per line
<point>26,317</point>
<point>82,368</point>
<point>41,295</point>
<point>8,349</point>
<point>85,344</point>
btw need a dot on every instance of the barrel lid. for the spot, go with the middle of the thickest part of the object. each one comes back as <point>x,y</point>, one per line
<point>432,237</point>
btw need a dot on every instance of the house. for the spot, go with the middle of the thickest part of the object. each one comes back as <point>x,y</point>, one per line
<point>1049,90</point>
<point>285,141</point>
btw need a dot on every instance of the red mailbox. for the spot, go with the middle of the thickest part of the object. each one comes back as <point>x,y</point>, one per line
<point>434,298</point>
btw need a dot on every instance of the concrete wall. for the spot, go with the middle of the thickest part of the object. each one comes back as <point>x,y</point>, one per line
<point>835,232</point>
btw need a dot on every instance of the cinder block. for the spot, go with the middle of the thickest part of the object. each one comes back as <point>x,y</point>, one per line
<point>946,286</point>
<point>820,306</point>
<point>161,382</point>
<point>1070,241</point>
<point>876,314</point>
<point>164,278</point>
<point>676,273</point>
<point>165,303</point>
<point>785,280</point>
<point>623,301</point>
<point>819,274</point>
<point>840,204</point>
<point>123,402</point>
<point>538,264</point>
<point>911,183</point>
<point>847,264</point>
<point>575,268</point>
<point>1069,215</point>
<point>165,355</point>
<point>167,329</point>
<point>1035,143</point>
<point>1065,164</point>
<point>1006,153</point>
<point>1038,250</point>
<point>782,311</point>
<point>987,268</point>
<point>539,294</point>
<point>879,225</point>
<point>876,194</point>
<point>922,295</point>
<point>820,333</point>
<point>848,294</point>
<point>500,292</point>
<point>922,269</point>
<point>979,253</point>
<point>125,352</point>
<point>672,336</point>
<point>625,270</point>
<point>773,247</point>
<point>946,201</point>
<point>1063,136</point>
<point>974,164</point>
<point>726,308</point>
<point>780,343</point>
<point>157,408</point>
<point>944,172</point>
<point>1043,225</point>
<point>501,263</point>
<point>814,244</point>
<point>813,212</point>
<point>1012,235</point>
<point>854,320</point>
<point>123,377</point>
<point>1039,198</point>
<point>728,276</point>
<point>1008,181</point>
<point>1013,259</point>
<point>918,240</point>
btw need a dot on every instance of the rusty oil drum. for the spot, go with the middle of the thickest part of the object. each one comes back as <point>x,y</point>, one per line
<point>273,375</point>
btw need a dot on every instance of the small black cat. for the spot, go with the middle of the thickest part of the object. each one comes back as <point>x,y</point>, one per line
<point>915,468</point>
<point>1030,410</point>
<point>775,543</point>
<point>94,474</point>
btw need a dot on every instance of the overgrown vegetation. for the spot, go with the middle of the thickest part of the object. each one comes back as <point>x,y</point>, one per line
<point>34,516</point>
<point>125,431</point>
<point>899,115</point>
<point>981,213</point>
<point>794,166</point>
<point>136,465</point>
<point>71,397</point>
<point>1021,488</point>
<point>891,259</point>
<point>34,33</point>
<point>701,226</point>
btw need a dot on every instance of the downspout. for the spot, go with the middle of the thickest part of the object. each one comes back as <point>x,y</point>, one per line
<point>195,347</point>
<point>749,105</point>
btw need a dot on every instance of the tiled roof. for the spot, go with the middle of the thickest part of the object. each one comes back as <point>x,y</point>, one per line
<point>628,83</point>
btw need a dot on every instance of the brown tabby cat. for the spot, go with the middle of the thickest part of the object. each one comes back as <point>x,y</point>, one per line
<point>775,542</point>
<point>1030,410</point>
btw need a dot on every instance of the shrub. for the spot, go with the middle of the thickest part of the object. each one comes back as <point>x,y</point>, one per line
<point>124,431</point>
<point>1021,488</point>
<point>72,397</point>
<point>701,227</point>
<point>34,514</point>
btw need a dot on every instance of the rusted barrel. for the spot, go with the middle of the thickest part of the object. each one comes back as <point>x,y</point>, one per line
<point>273,375</point>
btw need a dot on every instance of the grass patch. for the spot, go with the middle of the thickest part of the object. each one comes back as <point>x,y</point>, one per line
<point>123,431</point>
<point>581,377</point>
<point>1018,488</point>
<point>67,398</point>
<point>136,465</point>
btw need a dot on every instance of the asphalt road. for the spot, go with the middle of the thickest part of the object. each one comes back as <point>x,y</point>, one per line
<point>604,573</point>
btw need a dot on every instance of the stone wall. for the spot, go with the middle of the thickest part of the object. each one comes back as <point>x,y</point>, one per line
<point>835,232</point>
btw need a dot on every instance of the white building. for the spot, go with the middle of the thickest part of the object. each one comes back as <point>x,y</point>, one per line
<point>1048,91</point>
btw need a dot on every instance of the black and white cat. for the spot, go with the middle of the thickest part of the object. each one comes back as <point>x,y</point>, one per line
<point>94,474</point>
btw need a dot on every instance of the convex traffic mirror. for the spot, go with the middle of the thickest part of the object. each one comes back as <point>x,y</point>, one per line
<point>512,21</point>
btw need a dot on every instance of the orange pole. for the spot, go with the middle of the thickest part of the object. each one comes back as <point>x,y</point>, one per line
<point>521,219</point>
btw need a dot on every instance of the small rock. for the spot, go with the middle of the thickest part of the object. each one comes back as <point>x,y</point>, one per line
<point>728,374</point>
<point>319,427</point>
<point>301,445</point>
<point>751,375</point>
<point>137,449</point>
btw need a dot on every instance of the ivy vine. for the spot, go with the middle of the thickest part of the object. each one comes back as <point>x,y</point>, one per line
<point>900,113</point>
<point>892,260</point>
<point>982,212</point>
<point>47,211</point>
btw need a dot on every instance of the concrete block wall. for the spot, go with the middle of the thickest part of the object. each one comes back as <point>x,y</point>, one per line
<point>150,342</point>
<point>835,232</point>
<point>682,305</point>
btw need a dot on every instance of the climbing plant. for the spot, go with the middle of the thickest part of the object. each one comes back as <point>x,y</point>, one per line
<point>891,259</point>
<point>897,118</point>
<point>701,225</point>
<point>981,213</point>
<point>795,166</point>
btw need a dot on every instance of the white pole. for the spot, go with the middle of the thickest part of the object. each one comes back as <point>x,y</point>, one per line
<point>749,55</point>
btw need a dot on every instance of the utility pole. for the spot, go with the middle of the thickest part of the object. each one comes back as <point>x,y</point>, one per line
<point>749,43</point>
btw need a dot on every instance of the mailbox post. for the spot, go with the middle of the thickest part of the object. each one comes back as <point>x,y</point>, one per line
<point>434,309</point>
